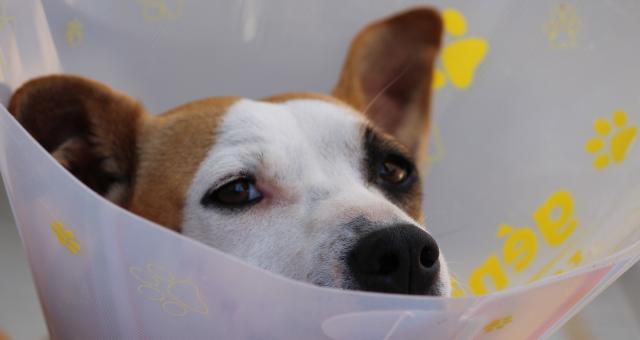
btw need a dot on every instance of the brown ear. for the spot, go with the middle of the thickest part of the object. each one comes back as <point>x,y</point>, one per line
<point>90,129</point>
<point>387,74</point>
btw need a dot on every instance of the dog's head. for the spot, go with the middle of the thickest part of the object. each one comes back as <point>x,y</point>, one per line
<point>324,189</point>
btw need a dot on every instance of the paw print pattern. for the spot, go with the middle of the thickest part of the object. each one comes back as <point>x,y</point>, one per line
<point>497,324</point>
<point>460,57</point>
<point>74,32</point>
<point>563,26</point>
<point>177,297</point>
<point>65,237</point>
<point>619,136</point>
<point>157,10</point>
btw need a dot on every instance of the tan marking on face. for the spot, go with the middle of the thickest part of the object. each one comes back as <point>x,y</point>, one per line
<point>285,97</point>
<point>172,147</point>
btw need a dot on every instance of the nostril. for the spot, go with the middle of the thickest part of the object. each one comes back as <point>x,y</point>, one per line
<point>387,264</point>
<point>429,256</point>
<point>396,259</point>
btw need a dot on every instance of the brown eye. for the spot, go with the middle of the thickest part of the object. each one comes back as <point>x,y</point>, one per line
<point>394,170</point>
<point>237,193</point>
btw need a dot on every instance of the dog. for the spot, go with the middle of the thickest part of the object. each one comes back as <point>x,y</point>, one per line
<point>319,188</point>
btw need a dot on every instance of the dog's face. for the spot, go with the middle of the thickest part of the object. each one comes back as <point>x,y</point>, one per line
<point>323,189</point>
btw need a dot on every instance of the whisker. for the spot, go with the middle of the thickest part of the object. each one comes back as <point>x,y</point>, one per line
<point>366,109</point>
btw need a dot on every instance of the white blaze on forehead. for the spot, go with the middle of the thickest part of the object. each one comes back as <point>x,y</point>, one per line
<point>287,141</point>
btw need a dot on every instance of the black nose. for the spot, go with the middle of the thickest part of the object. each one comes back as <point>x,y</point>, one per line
<point>399,259</point>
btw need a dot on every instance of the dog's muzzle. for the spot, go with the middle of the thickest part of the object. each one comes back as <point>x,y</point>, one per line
<point>400,259</point>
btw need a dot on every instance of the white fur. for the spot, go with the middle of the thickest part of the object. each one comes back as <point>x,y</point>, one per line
<point>307,158</point>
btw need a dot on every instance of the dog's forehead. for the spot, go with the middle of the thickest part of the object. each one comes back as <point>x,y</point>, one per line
<point>296,127</point>
<point>293,144</point>
<point>312,119</point>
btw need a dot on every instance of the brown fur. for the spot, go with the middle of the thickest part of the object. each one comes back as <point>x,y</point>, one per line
<point>107,140</point>
<point>146,163</point>
<point>388,72</point>
<point>100,125</point>
<point>172,147</point>
<point>285,97</point>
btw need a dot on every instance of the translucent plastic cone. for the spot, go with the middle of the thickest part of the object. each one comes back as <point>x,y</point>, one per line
<point>532,190</point>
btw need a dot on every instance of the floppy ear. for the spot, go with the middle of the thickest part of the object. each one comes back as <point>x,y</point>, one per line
<point>388,71</point>
<point>90,129</point>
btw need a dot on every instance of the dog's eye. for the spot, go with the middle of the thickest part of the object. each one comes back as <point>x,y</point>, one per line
<point>394,170</point>
<point>237,193</point>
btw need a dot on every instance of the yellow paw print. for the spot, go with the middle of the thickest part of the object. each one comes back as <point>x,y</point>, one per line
<point>65,237</point>
<point>460,57</point>
<point>156,10</point>
<point>177,297</point>
<point>74,32</point>
<point>563,26</point>
<point>497,324</point>
<point>620,136</point>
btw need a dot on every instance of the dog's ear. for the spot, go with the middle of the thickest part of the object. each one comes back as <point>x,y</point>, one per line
<point>387,74</point>
<point>89,128</point>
